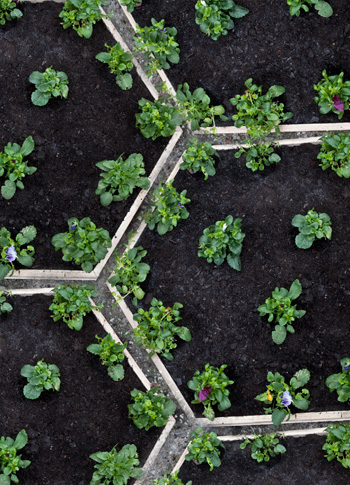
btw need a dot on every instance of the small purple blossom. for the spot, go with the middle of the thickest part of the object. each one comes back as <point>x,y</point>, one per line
<point>204,393</point>
<point>181,206</point>
<point>162,329</point>
<point>11,254</point>
<point>286,399</point>
<point>73,226</point>
<point>162,31</point>
<point>338,103</point>
<point>347,365</point>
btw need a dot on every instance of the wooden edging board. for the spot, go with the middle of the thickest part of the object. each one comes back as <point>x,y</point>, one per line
<point>306,127</point>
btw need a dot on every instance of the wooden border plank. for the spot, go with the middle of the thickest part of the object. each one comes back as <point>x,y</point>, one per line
<point>34,274</point>
<point>315,140</point>
<point>306,127</point>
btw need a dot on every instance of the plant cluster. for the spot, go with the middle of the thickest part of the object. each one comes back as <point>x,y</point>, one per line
<point>10,461</point>
<point>337,444</point>
<point>157,118</point>
<point>150,408</point>
<point>110,353</point>
<point>41,377</point>
<point>13,166</point>
<point>5,306</point>
<point>129,272</point>
<point>82,15</point>
<point>341,382</point>
<point>223,240</point>
<point>83,244</point>
<point>335,153</point>
<point>264,446</point>
<point>121,178</point>
<point>279,308</point>
<point>258,112</point>
<point>171,479</point>
<point>158,44</point>
<point>48,84</point>
<point>215,17</point>
<point>280,395</point>
<point>333,94</point>
<point>9,11</point>
<point>204,447</point>
<point>314,225</point>
<point>156,330</point>
<point>131,4</point>
<point>199,156</point>
<point>71,303</point>
<point>195,107</point>
<point>119,63</point>
<point>323,8</point>
<point>259,155</point>
<point>116,467</point>
<point>169,208</point>
<point>210,389</point>
<point>11,249</point>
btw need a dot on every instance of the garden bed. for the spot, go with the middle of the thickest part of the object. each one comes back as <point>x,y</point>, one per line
<point>96,122</point>
<point>303,462</point>
<point>267,44</point>
<point>220,304</point>
<point>87,415</point>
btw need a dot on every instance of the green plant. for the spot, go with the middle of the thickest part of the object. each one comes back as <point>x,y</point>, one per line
<point>337,444</point>
<point>150,408</point>
<point>11,249</point>
<point>169,208</point>
<point>204,447</point>
<point>41,377</point>
<point>199,157</point>
<point>214,17</point>
<point>129,272</point>
<point>10,461</point>
<point>195,107</point>
<point>121,178</point>
<point>264,446</point>
<point>223,240</point>
<point>259,155</point>
<point>5,306</point>
<point>341,382</point>
<point>110,354</point>
<point>131,4</point>
<point>14,167</point>
<point>83,243</point>
<point>156,330</point>
<point>323,8</point>
<point>71,303</point>
<point>333,94</point>
<point>335,153</point>
<point>82,15</point>
<point>158,43</point>
<point>280,395</point>
<point>157,118</point>
<point>116,467</point>
<point>171,479</point>
<point>258,112</point>
<point>280,309</point>
<point>48,84</point>
<point>9,10</point>
<point>210,389</point>
<point>119,63</point>
<point>314,225</point>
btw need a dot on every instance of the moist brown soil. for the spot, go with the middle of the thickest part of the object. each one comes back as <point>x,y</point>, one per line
<point>267,44</point>
<point>302,463</point>
<point>88,414</point>
<point>96,122</point>
<point>220,304</point>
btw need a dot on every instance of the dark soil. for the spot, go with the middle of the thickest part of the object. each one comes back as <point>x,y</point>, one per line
<point>220,304</point>
<point>87,415</point>
<point>96,122</point>
<point>302,463</point>
<point>267,44</point>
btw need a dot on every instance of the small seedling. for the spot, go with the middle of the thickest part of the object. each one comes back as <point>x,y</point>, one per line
<point>215,17</point>
<point>150,408</point>
<point>119,63</point>
<point>341,382</point>
<point>82,15</point>
<point>335,153</point>
<point>314,225</point>
<point>171,479</point>
<point>337,444</point>
<point>10,461</point>
<point>204,447</point>
<point>11,249</point>
<point>157,118</point>
<point>258,155</point>
<point>110,353</point>
<point>264,446</point>
<point>333,94</point>
<point>41,377</point>
<point>323,8</point>
<point>199,157</point>
<point>48,84</point>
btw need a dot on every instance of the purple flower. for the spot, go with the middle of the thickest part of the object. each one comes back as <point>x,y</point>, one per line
<point>286,398</point>
<point>11,254</point>
<point>204,393</point>
<point>73,226</point>
<point>347,365</point>
<point>338,103</point>
<point>181,206</point>
<point>162,31</point>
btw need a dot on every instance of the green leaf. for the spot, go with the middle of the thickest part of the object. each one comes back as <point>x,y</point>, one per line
<point>29,233</point>
<point>86,31</point>
<point>106,198</point>
<point>8,190</point>
<point>27,146</point>
<point>300,378</point>
<point>124,81</point>
<point>300,403</point>
<point>94,349</point>
<point>116,372</point>
<point>4,271</point>
<point>304,242</point>
<point>278,416</point>
<point>234,262</point>
<point>32,392</point>
<point>324,9</point>
<point>295,290</point>
<point>279,334</point>
<point>25,259</point>
<point>184,333</point>
<point>39,99</point>
<point>103,57</point>
<point>275,91</point>
<point>21,440</point>
<point>35,77</point>
<point>5,480</point>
